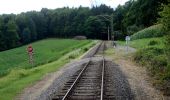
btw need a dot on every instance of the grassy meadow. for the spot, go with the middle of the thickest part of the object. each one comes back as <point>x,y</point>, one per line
<point>50,55</point>
<point>45,51</point>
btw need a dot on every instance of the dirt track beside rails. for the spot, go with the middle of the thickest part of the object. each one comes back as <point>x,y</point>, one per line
<point>137,76</point>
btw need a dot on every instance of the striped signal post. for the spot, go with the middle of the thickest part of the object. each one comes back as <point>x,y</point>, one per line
<point>30,54</point>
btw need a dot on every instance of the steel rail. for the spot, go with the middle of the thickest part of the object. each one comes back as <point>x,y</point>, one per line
<point>103,69</point>
<point>69,90</point>
<point>102,84</point>
<point>74,83</point>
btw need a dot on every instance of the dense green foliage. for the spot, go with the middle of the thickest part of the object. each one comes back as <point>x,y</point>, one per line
<point>155,56</point>
<point>152,56</point>
<point>16,30</point>
<point>155,59</point>
<point>45,51</point>
<point>69,22</point>
<point>165,20</point>
<point>136,15</point>
<point>152,31</point>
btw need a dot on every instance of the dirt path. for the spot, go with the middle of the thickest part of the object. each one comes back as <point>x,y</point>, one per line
<point>137,76</point>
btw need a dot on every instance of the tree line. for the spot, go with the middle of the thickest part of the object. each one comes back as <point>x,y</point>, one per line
<point>20,29</point>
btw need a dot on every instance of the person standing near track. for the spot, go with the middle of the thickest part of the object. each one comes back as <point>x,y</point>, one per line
<point>30,53</point>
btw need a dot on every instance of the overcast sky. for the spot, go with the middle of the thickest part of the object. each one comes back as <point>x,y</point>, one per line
<point>18,6</point>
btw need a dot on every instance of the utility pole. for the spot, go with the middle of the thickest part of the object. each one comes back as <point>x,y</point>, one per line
<point>109,19</point>
<point>111,22</point>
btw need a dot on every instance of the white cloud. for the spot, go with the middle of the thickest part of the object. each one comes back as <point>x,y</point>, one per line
<point>17,6</point>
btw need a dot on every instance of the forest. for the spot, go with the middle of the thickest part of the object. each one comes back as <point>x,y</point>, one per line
<point>19,29</point>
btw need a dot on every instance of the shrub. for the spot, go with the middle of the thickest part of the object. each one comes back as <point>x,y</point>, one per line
<point>159,63</point>
<point>85,49</point>
<point>152,57</point>
<point>165,20</point>
<point>153,42</point>
<point>72,56</point>
<point>152,31</point>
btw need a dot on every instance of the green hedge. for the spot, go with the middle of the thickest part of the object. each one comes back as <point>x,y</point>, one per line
<point>152,31</point>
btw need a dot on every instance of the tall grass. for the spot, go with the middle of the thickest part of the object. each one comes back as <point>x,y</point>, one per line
<point>152,31</point>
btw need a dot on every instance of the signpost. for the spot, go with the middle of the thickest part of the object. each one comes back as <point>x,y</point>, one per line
<point>30,53</point>
<point>127,42</point>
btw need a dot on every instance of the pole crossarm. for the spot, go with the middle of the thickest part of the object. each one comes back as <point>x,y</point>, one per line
<point>106,17</point>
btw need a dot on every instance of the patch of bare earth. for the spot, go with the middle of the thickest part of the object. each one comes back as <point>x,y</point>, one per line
<point>137,76</point>
<point>33,91</point>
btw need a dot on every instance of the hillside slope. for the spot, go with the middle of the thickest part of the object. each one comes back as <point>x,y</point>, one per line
<point>45,51</point>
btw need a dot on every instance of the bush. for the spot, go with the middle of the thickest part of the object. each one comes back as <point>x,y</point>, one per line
<point>153,42</point>
<point>72,56</point>
<point>152,57</point>
<point>165,20</point>
<point>158,63</point>
<point>85,49</point>
<point>152,31</point>
<point>155,60</point>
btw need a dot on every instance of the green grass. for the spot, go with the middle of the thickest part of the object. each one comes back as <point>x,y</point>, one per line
<point>19,78</point>
<point>45,51</point>
<point>150,32</point>
<point>143,43</point>
<point>151,54</point>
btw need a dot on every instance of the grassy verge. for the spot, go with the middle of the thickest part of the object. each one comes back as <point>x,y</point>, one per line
<point>151,54</point>
<point>144,43</point>
<point>18,79</point>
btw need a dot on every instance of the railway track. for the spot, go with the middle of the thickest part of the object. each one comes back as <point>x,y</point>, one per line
<point>95,81</point>
<point>86,84</point>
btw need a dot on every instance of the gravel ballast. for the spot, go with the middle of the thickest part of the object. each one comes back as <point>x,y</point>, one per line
<point>53,82</point>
